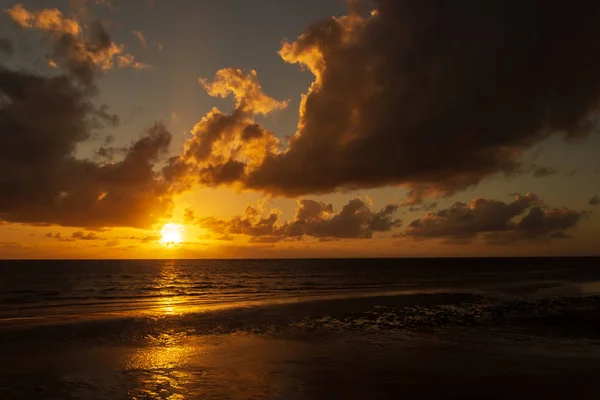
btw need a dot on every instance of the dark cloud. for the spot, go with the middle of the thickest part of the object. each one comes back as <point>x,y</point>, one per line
<point>6,46</point>
<point>431,94</point>
<point>79,235</point>
<point>594,201</point>
<point>541,172</point>
<point>356,220</point>
<point>110,153</point>
<point>42,120</point>
<point>59,237</point>
<point>526,218</point>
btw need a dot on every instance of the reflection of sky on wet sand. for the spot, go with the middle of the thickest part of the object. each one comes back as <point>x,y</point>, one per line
<point>569,289</point>
<point>174,365</point>
<point>297,366</point>
<point>590,287</point>
<point>175,350</point>
<point>160,372</point>
<point>236,366</point>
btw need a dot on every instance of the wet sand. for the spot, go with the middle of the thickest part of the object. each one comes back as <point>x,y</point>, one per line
<point>391,347</point>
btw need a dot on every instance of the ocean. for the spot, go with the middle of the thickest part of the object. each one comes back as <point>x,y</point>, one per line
<point>300,329</point>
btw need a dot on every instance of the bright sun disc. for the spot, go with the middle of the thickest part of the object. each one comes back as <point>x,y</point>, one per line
<point>172,234</point>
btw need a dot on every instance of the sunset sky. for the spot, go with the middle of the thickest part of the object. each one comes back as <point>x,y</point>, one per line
<point>313,128</point>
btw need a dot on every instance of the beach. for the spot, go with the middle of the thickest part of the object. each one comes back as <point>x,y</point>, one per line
<point>501,339</point>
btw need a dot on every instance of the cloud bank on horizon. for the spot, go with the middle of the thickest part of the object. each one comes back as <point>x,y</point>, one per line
<point>431,95</point>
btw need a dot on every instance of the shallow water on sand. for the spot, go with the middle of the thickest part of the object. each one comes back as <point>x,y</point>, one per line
<point>315,366</point>
<point>500,331</point>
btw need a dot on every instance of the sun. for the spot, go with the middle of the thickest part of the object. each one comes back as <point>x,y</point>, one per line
<point>171,234</point>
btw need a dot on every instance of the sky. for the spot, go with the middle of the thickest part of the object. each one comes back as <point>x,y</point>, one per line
<point>314,128</point>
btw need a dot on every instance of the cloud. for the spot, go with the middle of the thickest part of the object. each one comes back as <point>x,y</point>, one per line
<point>58,236</point>
<point>147,239</point>
<point>431,94</point>
<point>82,53</point>
<point>140,36</point>
<point>6,46</point>
<point>594,201</point>
<point>143,239</point>
<point>315,219</point>
<point>79,235</point>
<point>541,172</point>
<point>246,90</point>
<point>42,120</point>
<point>525,218</point>
<point>109,153</point>
<point>223,146</point>
<point>11,245</point>
<point>107,3</point>
<point>188,216</point>
<point>81,6</point>
<point>128,61</point>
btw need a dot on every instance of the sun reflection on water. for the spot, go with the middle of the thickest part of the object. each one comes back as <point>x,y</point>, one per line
<point>171,285</point>
<point>174,366</point>
<point>173,362</point>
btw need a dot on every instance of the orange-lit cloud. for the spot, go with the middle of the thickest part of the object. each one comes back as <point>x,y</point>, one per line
<point>128,60</point>
<point>246,90</point>
<point>48,20</point>
<point>314,219</point>
<point>223,146</point>
<point>142,39</point>
<point>80,54</point>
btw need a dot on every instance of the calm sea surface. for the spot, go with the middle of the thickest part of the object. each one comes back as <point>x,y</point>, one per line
<point>44,288</point>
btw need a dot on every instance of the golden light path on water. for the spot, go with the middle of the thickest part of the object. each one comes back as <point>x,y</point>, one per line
<point>176,363</point>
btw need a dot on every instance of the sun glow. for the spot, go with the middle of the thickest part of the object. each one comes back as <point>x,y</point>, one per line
<point>172,234</point>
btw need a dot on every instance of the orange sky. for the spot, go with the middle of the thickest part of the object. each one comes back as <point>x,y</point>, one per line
<point>293,141</point>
